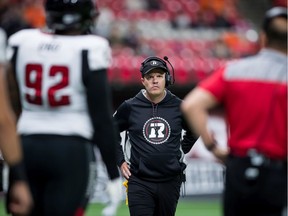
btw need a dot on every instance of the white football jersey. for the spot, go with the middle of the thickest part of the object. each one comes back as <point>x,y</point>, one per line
<point>49,74</point>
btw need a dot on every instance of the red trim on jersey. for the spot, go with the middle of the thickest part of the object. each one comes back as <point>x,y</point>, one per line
<point>255,110</point>
<point>79,212</point>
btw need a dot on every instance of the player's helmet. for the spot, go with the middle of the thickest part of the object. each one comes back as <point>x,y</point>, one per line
<point>62,15</point>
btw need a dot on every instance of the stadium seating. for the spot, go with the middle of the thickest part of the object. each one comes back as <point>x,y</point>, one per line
<point>142,32</point>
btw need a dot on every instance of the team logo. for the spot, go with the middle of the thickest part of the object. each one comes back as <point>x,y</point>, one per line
<point>156,130</point>
<point>154,63</point>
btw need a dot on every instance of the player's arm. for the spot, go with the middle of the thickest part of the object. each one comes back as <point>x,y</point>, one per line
<point>100,109</point>
<point>19,200</point>
<point>9,141</point>
<point>198,103</point>
<point>18,197</point>
<point>13,88</point>
<point>196,107</point>
<point>8,137</point>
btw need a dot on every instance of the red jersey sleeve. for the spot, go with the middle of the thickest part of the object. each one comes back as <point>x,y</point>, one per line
<point>215,84</point>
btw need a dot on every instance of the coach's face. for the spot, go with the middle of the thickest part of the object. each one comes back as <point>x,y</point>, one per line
<point>154,82</point>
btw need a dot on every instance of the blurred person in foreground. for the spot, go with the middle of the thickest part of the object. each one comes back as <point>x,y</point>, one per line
<point>153,156</point>
<point>253,92</point>
<point>61,78</point>
<point>20,199</point>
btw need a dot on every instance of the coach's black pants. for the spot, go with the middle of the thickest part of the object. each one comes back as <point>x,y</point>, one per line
<point>264,195</point>
<point>147,198</point>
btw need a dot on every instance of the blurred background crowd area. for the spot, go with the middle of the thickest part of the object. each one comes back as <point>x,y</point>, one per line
<point>197,35</point>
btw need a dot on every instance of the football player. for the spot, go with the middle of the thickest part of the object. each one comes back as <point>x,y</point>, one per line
<point>61,77</point>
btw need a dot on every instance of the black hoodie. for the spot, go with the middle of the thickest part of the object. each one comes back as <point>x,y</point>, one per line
<point>154,132</point>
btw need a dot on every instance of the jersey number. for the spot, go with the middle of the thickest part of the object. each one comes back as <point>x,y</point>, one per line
<point>34,81</point>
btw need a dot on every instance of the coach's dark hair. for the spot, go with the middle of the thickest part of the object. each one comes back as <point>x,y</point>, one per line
<point>276,32</point>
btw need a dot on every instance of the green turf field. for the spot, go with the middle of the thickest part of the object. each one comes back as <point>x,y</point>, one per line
<point>187,207</point>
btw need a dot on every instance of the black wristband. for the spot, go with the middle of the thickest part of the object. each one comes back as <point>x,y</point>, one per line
<point>17,172</point>
<point>211,146</point>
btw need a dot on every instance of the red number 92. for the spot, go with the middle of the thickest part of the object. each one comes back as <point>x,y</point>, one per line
<point>34,82</point>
